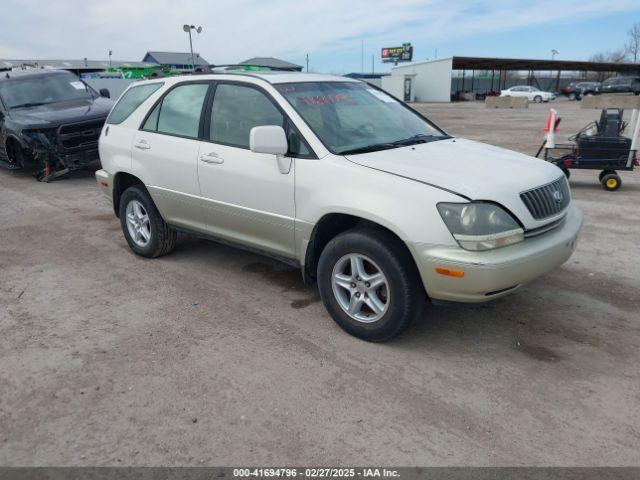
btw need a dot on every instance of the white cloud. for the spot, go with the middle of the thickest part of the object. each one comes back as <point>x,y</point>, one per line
<point>235,30</point>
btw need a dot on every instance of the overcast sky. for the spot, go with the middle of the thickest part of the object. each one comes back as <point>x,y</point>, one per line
<point>331,31</point>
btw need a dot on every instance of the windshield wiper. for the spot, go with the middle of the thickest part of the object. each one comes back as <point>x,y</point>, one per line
<point>24,105</point>
<point>415,139</point>
<point>420,138</point>
<point>369,148</point>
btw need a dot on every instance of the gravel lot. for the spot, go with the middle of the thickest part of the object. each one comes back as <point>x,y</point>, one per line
<point>214,356</point>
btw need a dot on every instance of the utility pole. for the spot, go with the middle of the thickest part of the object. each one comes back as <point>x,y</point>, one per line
<point>554,52</point>
<point>110,53</point>
<point>307,58</point>
<point>188,28</point>
<point>193,62</point>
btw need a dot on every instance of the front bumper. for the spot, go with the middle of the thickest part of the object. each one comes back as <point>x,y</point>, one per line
<point>79,159</point>
<point>495,273</point>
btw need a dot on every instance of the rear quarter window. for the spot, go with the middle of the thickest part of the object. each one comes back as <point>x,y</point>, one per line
<point>132,99</point>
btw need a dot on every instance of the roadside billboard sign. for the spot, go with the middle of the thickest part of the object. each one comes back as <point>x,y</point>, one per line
<point>398,54</point>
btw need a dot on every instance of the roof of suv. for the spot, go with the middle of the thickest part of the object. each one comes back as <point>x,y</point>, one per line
<point>291,77</point>
<point>31,72</point>
<point>273,77</point>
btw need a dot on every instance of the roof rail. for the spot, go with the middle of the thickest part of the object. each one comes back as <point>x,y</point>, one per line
<point>249,66</point>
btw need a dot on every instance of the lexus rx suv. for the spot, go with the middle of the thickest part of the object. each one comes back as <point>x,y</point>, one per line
<point>374,202</point>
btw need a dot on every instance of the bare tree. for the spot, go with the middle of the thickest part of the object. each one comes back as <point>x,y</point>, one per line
<point>633,45</point>
<point>612,56</point>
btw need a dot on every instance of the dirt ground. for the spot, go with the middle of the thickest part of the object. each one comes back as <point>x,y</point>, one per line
<point>214,356</point>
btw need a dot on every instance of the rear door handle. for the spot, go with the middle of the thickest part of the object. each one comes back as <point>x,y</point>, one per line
<point>211,158</point>
<point>142,145</point>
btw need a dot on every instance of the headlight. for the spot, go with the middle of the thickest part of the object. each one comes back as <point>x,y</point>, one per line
<point>480,226</point>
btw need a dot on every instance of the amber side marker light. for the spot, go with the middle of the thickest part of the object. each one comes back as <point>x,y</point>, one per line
<point>450,272</point>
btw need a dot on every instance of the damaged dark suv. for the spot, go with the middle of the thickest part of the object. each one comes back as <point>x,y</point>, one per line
<point>50,122</point>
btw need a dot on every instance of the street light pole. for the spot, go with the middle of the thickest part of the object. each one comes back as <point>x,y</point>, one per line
<point>193,63</point>
<point>188,28</point>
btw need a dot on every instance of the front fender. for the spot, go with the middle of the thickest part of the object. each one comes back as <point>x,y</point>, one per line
<point>404,206</point>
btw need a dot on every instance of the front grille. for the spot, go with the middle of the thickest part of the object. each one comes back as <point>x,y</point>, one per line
<point>547,200</point>
<point>534,232</point>
<point>80,135</point>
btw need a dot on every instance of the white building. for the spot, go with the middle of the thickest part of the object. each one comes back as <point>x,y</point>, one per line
<point>455,78</point>
<point>426,81</point>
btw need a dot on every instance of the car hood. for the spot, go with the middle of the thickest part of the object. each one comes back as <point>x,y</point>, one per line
<point>54,114</point>
<point>471,169</point>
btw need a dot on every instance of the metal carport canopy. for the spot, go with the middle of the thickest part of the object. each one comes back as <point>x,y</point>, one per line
<point>484,63</point>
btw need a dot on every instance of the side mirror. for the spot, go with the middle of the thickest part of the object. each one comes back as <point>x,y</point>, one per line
<point>104,92</point>
<point>268,139</point>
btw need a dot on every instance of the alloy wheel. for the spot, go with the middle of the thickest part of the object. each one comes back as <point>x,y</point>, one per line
<point>360,287</point>
<point>138,223</point>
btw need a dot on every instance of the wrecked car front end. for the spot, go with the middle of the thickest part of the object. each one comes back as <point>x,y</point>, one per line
<point>52,152</point>
<point>50,122</point>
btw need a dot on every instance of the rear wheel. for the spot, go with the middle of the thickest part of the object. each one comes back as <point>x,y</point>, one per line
<point>369,284</point>
<point>145,230</point>
<point>573,96</point>
<point>611,182</point>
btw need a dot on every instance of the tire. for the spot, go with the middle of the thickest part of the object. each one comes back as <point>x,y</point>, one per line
<point>611,182</point>
<point>537,99</point>
<point>605,172</point>
<point>15,154</point>
<point>401,296</point>
<point>566,171</point>
<point>161,237</point>
<point>573,96</point>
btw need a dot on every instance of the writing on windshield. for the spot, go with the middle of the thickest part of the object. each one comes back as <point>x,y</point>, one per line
<point>353,117</point>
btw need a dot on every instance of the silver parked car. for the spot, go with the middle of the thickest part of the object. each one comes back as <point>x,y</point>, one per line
<point>370,199</point>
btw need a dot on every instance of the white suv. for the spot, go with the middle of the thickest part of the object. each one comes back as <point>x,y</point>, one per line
<point>372,200</point>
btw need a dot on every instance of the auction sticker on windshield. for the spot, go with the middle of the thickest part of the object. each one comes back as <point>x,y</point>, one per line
<point>381,96</point>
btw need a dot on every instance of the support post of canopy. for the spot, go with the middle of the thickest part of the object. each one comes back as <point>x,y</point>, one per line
<point>634,138</point>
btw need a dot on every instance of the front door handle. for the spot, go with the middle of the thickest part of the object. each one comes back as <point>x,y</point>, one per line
<point>211,158</point>
<point>142,145</point>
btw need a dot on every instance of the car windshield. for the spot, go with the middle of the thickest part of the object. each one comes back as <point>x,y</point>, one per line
<point>353,117</point>
<point>24,92</point>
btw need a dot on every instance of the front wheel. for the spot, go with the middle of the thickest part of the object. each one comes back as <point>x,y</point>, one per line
<point>573,96</point>
<point>369,284</point>
<point>146,232</point>
<point>537,99</point>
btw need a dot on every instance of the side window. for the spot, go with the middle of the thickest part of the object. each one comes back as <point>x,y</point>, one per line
<point>236,110</point>
<point>181,109</point>
<point>298,147</point>
<point>151,124</point>
<point>131,100</point>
